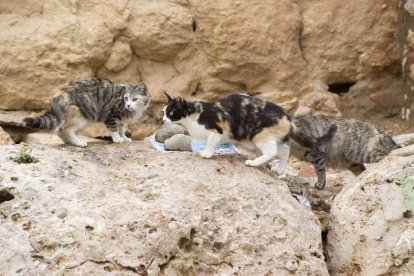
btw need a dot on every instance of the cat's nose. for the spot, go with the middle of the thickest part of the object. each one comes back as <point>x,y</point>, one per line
<point>128,105</point>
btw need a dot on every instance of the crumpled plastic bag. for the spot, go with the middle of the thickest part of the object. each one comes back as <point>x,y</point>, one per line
<point>303,200</point>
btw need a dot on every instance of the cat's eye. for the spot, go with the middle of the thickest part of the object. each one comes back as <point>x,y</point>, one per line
<point>171,113</point>
<point>134,99</point>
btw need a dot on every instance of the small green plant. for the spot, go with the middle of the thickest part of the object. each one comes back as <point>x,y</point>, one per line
<point>23,157</point>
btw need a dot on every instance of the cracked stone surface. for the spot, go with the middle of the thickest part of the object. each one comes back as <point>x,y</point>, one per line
<point>372,224</point>
<point>128,209</point>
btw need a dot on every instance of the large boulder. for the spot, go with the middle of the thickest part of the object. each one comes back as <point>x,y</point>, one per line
<point>130,209</point>
<point>44,51</point>
<point>254,43</point>
<point>372,224</point>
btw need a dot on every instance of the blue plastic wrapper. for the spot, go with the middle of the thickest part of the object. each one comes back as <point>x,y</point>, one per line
<point>303,200</point>
<point>196,146</point>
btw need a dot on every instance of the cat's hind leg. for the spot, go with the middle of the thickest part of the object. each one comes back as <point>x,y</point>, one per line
<point>283,151</point>
<point>317,158</point>
<point>269,151</point>
<point>74,122</point>
<point>267,142</point>
<point>62,136</point>
<point>212,141</point>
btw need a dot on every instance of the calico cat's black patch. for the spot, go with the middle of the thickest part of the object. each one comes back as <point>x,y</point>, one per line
<point>246,116</point>
<point>235,118</point>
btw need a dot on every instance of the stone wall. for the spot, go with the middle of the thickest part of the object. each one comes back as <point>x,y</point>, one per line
<point>290,52</point>
<point>406,38</point>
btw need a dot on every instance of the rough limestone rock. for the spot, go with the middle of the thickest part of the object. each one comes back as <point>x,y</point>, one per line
<point>15,118</point>
<point>50,138</point>
<point>372,224</point>
<point>169,130</point>
<point>128,209</point>
<point>5,138</point>
<point>320,200</point>
<point>406,38</point>
<point>178,142</point>
<point>207,49</point>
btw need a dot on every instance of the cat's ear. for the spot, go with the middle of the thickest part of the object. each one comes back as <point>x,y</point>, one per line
<point>142,89</point>
<point>168,97</point>
<point>127,86</point>
<point>198,107</point>
<point>183,102</point>
<point>142,85</point>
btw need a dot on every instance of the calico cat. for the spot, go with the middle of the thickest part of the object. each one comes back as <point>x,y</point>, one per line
<point>96,100</point>
<point>235,118</point>
<point>338,142</point>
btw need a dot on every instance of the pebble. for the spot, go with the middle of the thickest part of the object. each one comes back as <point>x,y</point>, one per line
<point>179,142</point>
<point>15,217</point>
<point>169,130</point>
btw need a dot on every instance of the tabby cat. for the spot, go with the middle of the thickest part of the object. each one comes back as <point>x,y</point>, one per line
<point>337,142</point>
<point>96,100</point>
<point>235,118</point>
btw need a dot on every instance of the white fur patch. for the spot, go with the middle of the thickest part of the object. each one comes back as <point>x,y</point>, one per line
<point>139,110</point>
<point>195,130</point>
<point>164,117</point>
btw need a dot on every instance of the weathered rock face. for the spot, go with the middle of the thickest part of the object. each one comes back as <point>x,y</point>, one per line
<point>128,209</point>
<point>372,224</point>
<point>5,138</point>
<point>281,51</point>
<point>406,38</point>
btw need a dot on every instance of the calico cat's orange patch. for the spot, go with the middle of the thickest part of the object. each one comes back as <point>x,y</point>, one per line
<point>280,130</point>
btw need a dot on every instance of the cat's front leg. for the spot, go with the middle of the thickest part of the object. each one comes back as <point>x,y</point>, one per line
<point>212,141</point>
<point>116,138</point>
<point>122,129</point>
<point>112,124</point>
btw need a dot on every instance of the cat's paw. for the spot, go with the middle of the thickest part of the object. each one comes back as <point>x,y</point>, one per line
<point>250,163</point>
<point>118,140</point>
<point>206,154</point>
<point>128,139</point>
<point>81,144</point>
<point>319,185</point>
<point>279,171</point>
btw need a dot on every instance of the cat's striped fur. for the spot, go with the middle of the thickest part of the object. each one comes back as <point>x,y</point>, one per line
<point>337,142</point>
<point>235,118</point>
<point>95,100</point>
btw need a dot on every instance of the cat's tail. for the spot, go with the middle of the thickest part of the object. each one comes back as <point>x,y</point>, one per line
<point>52,119</point>
<point>309,141</point>
<point>387,142</point>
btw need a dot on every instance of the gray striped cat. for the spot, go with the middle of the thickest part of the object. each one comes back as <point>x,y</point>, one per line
<point>96,100</point>
<point>337,142</point>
